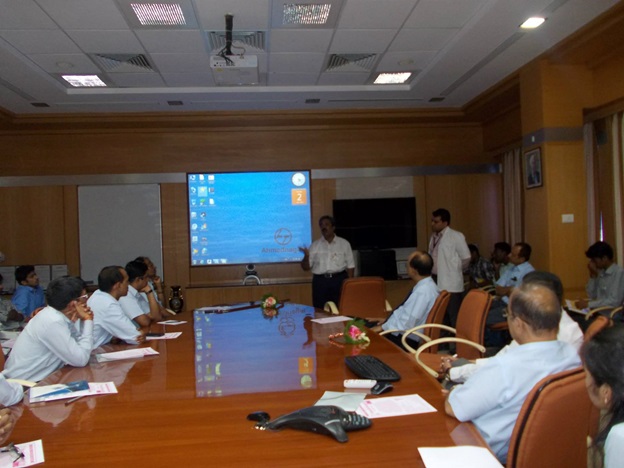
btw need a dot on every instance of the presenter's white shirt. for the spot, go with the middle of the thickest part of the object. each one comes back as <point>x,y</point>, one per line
<point>331,257</point>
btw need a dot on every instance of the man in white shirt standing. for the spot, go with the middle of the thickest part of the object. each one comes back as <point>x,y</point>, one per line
<point>331,260</point>
<point>451,257</point>
<point>110,319</point>
<point>50,339</point>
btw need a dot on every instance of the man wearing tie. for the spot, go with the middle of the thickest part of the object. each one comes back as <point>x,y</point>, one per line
<point>451,257</point>
<point>331,260</point>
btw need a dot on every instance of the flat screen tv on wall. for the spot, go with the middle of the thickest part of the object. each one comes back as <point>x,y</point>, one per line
<point>376,223</point>
<point>248,217</point>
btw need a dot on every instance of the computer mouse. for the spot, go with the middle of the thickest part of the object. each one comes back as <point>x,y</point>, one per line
<point>381,387</point>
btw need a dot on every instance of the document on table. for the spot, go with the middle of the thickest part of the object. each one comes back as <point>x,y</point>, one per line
<point>63,391</point>
<point>394,406</point>
<point>166,336</point>
<point>571,306</point>
<point>345,400</point>
<point>335,318</point>
<point>33,455</point>
<point>171,322</point>
<point>126,354</point>
<point>452,457</point>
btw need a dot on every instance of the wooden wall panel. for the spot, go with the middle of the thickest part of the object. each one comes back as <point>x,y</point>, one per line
<point>33,226</point>
<point>71,229</point>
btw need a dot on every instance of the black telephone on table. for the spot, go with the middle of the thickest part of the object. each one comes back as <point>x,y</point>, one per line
<point>329,420</point>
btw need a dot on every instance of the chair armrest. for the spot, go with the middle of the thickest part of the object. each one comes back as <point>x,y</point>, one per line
<point>616,310</point>
<point>428,369</point>
<point>385,332</point>
<point>593,312</point>
<point>425,338</point>
<point>331,307</point>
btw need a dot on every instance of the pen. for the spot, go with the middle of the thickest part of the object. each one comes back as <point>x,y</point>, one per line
<point>70,401</point>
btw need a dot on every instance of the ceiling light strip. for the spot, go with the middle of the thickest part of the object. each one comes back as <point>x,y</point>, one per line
<point>159,14</point>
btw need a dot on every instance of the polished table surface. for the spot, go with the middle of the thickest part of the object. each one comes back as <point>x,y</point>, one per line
<point>188,405</point>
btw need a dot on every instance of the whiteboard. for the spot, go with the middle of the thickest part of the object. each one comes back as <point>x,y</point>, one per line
<point>118,223</point>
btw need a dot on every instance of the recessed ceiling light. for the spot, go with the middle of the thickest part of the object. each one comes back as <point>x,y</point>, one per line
<point>299,13</point>
<point>393,78</point>
<point>159,14</point>
<point>84,81</point>
<point>532,23</point>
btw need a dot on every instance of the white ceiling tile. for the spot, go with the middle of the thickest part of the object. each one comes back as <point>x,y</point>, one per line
<point>57,63</point>
<point>136,80</point>
<point>111,41</point>
<point>249,15</point>
<point>40,41</point>
<point>375,14</point>
<point>81,14</point>
<point>300,40</point>
<point>168,42</point>
<point>443,13</point>
<point>397,61</point>
<point>302,63</point>
<point>361,40</point>
<point>177,63</point>
<point>422,39</point>
<point>180,80</point>
<point>20,14</point>
<point>343,79</point>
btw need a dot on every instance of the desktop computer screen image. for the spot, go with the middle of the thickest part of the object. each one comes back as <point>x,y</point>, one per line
<point>248,217</point>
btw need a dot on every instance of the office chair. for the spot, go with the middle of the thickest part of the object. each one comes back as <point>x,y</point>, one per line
<point>364,296</point>
<point>469,332</point>
<point>598,324</point>
<point>553,424</point>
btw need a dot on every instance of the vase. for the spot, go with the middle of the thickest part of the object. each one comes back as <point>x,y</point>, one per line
<point>176,301</point>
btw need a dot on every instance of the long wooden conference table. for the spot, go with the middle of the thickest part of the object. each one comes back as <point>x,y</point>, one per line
<point>188,405</point>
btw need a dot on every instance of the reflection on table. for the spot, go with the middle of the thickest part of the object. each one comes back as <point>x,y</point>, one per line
<point>188,405</point>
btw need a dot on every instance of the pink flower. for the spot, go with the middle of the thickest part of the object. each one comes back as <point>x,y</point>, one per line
<point>354,332</point>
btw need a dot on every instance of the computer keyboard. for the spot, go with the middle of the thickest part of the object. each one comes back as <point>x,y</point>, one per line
<point>370,367</point>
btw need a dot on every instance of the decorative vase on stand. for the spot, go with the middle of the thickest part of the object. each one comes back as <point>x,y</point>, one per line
<point>176,301</point>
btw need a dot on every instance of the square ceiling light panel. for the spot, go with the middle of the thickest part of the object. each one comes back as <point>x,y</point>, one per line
<point>155,15</point>
<point>310,14</point>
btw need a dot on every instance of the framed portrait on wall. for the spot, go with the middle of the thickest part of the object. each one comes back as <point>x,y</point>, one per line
<point>533,168</point>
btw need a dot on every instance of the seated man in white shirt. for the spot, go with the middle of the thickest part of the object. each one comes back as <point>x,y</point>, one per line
<point>140,304</point>
<point>51,339</point>
<point>416,307</point>
<point>493,396</point>
<point>569,331</point>
<point>110,321</point>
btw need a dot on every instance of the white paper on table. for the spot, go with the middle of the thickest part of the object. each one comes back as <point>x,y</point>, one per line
<point>95,388</point>
<point>335,318</point>
<point>166,336</point>
<point>33,455</point>
<point>394,406</point>
<point>571,306</point>
<point>345,400</point>
<point>126,354</point>
<point>171,322</point>
<point>464,456</point>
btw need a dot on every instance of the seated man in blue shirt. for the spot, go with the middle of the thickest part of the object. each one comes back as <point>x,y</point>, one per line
<point>519,258</point>
<point>416,307</point>
<point>51,339</point>
<point>606,278</point>
<point>493,396</point>
<point>28,295</point>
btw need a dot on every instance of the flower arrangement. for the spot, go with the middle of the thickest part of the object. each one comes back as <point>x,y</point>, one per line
<point>354,332</point>
<point>269,301</point>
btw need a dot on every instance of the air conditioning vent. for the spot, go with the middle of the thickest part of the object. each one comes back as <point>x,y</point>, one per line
<point>123,63</point>
<point>351,62</point>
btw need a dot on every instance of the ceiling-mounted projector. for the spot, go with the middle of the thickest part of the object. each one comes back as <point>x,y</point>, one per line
<point>235,70</point>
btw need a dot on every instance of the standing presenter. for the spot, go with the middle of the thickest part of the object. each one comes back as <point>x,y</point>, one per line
<point>330,259</point>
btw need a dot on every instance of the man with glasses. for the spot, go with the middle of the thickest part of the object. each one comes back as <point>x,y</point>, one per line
<point>493,396</point>
<point>51,338</point>
<point>140,304</point>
